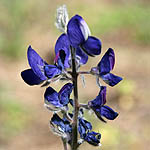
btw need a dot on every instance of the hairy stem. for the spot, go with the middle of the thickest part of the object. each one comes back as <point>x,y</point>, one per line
<point>76,104</point>
<point>64,143</point>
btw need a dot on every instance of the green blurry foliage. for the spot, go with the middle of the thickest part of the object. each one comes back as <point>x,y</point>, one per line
<point>18,16</point>
<point>117,138</point>
<point>13,115</point>
<point>11,33</point>
<point>127,95</point>
<point>130,17</point>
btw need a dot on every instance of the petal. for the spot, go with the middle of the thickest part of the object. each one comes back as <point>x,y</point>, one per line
<point>97,112</point>
<point>93,138</point>
<point>83,127</point>
<point>61,59</point>
<point>111,79</point>
<point>99,100</point>
<point>36,63</point>
<point>58,121</point>
<point>64,125</point>
<point>108,113</point>
<point>107,62</point>
<point>64,93</point>
<point>62,43</point>
<point>30,77</point>
<point>83,58</point>
<point>92,46</point>
<point>51,98</point>
<point>77,30</point>
<point>51,71</point>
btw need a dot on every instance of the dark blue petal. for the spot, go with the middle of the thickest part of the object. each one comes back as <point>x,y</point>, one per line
<point>100,99</point>
<point>108,113</point>
<point>83,127</point>
<point>83,58</point>
<point>51,97</point>
<point>64,93</point>
<point>92,46</point>
<point>30,77</point>
<point>36,63</point>
<point>98,114</point>
<point>62,123</point>
<point>111,79</point>
<point>61,59</point>
<point>93,138</point>
<point>107,62</point>
<point>77,31</point>
<point>63,44</point>
<point>58,121</point>
<point>51,71</point>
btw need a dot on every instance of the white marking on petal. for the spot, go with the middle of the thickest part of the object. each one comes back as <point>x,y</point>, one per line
<point>85,29</point>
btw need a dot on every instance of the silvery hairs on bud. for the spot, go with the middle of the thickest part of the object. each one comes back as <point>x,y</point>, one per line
<point>62,18</point>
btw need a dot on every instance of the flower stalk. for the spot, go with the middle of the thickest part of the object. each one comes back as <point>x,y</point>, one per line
<point>76,103</point>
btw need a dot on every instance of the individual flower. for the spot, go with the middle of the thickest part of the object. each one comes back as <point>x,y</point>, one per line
<point>99,107</point>
<point>58,101</point>
<point>105,66</point>
<point>61,127</point>
<point>40,70</point>
<point>79,36</point>
<point>63,43</point>
<point>84,129</point>
<point>93,138</point>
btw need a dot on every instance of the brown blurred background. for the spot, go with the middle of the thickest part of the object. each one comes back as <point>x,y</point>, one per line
<point>121,24</point>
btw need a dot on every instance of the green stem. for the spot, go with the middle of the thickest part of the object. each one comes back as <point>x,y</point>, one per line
<point>74,143</point>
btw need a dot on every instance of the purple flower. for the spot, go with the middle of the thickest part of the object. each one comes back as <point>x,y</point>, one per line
<point>79,36</point>
<point>99,107</point>
<point>63,43</point>
<point>40,70</point>
<point>84,129</point>
<point>105,66</point>
<point>61,127</point>
<point>93,138</point>
<point>58,101</point>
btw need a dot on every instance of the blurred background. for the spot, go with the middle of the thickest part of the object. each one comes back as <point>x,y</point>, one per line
<point>123,25</point>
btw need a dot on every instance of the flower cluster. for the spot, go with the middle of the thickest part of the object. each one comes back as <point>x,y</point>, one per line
<point>72,49</point>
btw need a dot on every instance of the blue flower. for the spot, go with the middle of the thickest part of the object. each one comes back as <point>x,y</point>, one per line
<point>93,138</point>
<point>79,36</point>
<point>61,127</point>
<point>63,43</point>
<point>40,71</point>
<point>105,66</point>
<point>84,129</point>
<point>58,101</point>
<point>99,107</point>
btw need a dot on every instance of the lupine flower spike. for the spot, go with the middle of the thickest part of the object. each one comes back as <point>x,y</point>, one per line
<point>72,49</point>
